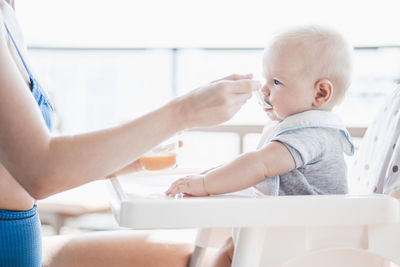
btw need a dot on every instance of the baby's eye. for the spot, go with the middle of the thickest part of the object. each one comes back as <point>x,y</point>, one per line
<point>276,82</point>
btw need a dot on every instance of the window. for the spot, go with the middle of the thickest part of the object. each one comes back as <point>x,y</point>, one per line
<point>104,63</point>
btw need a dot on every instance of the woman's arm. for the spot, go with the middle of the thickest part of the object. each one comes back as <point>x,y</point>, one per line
<point>243,172</point>
<point>44,165</point>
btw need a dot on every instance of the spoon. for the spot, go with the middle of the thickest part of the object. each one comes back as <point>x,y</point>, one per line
<point>261,100</point>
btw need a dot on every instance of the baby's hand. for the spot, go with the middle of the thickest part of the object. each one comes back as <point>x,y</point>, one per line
<point>192,185</point>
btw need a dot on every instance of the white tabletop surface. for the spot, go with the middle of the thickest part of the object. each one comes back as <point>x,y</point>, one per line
<point>139,202</point>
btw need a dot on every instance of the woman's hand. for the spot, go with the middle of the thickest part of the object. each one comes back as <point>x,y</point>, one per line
<point>218,101</point>
<point>192,185</point>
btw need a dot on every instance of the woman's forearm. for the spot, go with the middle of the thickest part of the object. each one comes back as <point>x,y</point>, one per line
<point>73,160</point>
<point>44,165</point>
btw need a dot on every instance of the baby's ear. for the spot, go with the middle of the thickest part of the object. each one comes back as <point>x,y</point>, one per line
<point>323,92</point>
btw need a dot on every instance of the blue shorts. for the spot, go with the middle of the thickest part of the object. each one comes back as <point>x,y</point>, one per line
<point>20,238</point>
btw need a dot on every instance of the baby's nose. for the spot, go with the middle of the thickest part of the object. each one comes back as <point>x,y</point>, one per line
<point>265,90</point>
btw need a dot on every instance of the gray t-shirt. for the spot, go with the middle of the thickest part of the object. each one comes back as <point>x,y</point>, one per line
<point>320,165</point>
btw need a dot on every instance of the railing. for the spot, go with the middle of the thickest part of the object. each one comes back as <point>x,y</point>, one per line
<point>243,130</point>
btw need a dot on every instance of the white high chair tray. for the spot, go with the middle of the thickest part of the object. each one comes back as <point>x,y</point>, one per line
<point>139,202</point>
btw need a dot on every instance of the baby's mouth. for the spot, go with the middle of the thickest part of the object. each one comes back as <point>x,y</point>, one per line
<point>268,105</point>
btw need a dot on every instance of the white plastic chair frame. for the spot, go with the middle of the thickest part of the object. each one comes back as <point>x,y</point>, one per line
<point>328,230</point>
<point>276,230</point>
<point>339,239</point>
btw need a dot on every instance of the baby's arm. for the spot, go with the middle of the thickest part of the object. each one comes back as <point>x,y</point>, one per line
<point>245,171</point>
<point>250,169</point>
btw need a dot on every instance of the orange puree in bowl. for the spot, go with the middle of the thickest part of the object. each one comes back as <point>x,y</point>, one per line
<point>158,162</point>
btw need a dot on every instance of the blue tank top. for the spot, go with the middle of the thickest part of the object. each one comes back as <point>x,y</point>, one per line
<point>38,93</point>
<point>20,231</point>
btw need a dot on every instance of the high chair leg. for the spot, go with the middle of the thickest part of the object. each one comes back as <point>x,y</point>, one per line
<point>197,258</point>
<point>207,237</point>
<point>248,247</point>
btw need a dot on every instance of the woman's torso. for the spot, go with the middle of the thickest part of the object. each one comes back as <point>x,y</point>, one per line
<point>12,195</point>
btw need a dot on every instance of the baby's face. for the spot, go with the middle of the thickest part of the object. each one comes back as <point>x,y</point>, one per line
<point>288,86</point>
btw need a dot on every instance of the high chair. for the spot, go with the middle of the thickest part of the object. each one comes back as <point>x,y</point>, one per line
<point>359,229</point>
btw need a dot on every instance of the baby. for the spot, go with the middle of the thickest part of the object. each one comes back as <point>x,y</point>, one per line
<point>307,71</point>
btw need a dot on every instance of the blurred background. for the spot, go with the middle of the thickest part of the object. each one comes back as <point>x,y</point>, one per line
<point>107,62</point>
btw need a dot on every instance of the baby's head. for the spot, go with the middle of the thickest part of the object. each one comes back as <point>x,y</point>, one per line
<point>306,68</point>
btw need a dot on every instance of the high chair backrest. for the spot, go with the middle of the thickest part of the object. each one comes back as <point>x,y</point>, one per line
<point>377,162</point>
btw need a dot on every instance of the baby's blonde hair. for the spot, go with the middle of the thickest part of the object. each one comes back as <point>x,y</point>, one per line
<point>326,53</point>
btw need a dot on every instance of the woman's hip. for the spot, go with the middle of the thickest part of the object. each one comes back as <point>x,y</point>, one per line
<point>20,238</point>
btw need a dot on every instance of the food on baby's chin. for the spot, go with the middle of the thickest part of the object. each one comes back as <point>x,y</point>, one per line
<point>153,163</point>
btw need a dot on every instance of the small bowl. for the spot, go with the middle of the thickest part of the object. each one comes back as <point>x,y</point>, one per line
<point>162,157</point>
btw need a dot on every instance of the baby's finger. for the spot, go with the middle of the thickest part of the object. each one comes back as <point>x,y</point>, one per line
<point>168,192</point>
<point>171,189</point>
<point>171,192</point>
<point>175,188</point>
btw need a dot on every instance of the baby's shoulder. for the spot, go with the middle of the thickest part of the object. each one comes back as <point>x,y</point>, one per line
<point>312,140</point>
<point>312,133</point>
